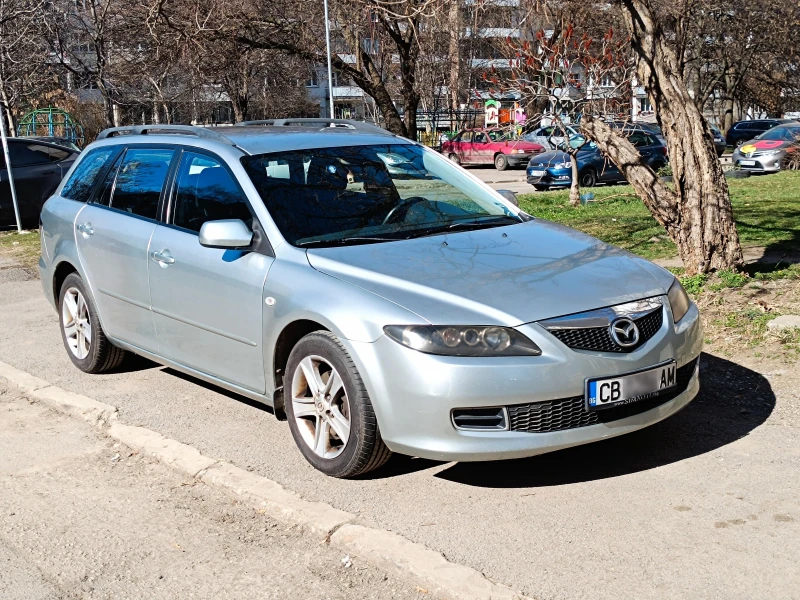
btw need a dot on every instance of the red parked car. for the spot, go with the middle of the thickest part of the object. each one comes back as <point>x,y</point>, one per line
<point>489,146</point>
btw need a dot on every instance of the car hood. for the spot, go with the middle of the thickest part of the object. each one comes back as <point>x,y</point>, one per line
<point>757,145</point>
<point>546,159</point>
<point>523,145</point>
<point>503,275</point>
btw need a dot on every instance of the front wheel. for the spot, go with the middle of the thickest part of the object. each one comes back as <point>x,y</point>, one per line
<point>454,158</point>
<point>500,162</point>
<point>329,411</point>
<point>588,178</point>
<point>81,332</point>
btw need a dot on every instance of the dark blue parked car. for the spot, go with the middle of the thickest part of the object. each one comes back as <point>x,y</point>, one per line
<point>553,169</point>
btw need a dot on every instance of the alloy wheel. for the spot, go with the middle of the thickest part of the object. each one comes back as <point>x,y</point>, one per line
<point>76,321</point>
<point>320,407</point>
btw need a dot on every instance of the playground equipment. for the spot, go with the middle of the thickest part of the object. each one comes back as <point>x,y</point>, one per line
<point>51,122</point>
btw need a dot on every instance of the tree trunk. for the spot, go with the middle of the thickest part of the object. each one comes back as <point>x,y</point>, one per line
<point>454,51</point>
<point>698,214</point>
<point>575,188</point>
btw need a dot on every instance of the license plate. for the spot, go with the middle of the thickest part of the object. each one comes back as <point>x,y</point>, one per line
<point>747,163</point>
<point>626,389</point>
<point>535,173</point>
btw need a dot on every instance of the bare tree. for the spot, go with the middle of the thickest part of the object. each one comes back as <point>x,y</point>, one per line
<point>24,71</point>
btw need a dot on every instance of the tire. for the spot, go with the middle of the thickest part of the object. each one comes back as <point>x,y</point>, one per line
<point>363,450</point>
<point>77,312</point>
<point>500,162</point>
<point>587,178</point>
<point>739,143</point>
<point>658,165</point>
<point>454,158</point>
<point>541,188</point>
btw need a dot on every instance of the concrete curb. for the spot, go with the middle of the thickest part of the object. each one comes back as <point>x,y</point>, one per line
<point>389,551</point>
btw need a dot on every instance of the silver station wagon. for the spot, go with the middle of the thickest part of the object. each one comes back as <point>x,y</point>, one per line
<point>374,294</point>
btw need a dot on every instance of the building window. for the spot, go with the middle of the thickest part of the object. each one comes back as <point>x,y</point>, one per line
<point>606,82</point>
<point>312,80</point>
<point>645,105</point>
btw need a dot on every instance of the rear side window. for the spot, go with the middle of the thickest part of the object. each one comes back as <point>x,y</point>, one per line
<point>207,192</point>
<point>140,179</point>
<point>81,182</point>
<point>27,154</point>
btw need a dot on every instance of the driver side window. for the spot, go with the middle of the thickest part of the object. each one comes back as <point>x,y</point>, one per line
<point>205,191</point>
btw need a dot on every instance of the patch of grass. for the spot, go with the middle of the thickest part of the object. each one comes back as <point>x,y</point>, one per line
<point>21,248</point>
<point>695,284</point>
<point>728,279</point>
<point>749,325</point>
<point>766,210</point>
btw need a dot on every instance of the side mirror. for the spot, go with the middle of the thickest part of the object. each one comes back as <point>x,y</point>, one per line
<point>225,233</point>
<point>510,196</point>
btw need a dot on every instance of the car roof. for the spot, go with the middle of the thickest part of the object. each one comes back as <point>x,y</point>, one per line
<point>260,137</point>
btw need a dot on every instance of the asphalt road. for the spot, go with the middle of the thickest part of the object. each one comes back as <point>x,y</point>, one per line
<point>703,505</point>
<point>510,179</point>
<point>80,517</point>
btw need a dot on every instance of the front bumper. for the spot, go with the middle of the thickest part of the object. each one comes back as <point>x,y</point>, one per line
<point>760,164</point>
<point>413,393</point>
<point>551,177</point>
<point>518,160</point>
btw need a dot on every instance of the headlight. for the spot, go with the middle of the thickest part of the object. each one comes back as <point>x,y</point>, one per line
<point>771,152</point>
<point>460,340</point>
<point>518,151</point>
<point>562,165</point>
<point>678,300</point>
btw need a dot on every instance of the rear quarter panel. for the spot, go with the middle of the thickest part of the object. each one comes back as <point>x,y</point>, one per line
<point>58,239</point>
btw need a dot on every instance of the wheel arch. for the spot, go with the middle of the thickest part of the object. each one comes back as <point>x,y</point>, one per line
<point>287,339</point>
<point>60,273</point>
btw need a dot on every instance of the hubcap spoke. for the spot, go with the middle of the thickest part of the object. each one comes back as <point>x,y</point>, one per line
<point>76,324</point>
<point>340,424</point>
<point>320,406</point>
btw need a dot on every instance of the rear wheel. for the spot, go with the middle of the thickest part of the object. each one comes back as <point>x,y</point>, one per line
<point>328,409</point>
<point>81,332</point>
<point>500,162</point>
<point>588,178</point>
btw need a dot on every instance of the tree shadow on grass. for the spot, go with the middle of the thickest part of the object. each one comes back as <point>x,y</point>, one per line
<point>733,401</point>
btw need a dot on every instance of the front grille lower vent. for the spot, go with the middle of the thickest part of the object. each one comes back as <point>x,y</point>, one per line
<point>571,413</point>
<point>599,338</point>
<point>480,419</point>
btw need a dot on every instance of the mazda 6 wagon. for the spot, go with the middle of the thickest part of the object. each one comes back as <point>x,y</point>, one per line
<point>374,294</point>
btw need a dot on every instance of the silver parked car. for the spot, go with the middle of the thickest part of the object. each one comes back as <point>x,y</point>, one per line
<point>378,296</point>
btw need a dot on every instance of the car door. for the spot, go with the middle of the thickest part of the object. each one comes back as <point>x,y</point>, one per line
<point>36,176</point>
<point>482,151</point>
<point>113,233</point>
<point>464,147</point>
<point>207,302</point>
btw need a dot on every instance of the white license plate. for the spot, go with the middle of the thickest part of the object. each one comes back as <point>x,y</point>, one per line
<point>626,389</point>
<point>747,163</point>
<point>536,173</point>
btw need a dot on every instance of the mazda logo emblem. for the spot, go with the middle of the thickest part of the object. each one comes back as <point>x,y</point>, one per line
<point>624,332</point>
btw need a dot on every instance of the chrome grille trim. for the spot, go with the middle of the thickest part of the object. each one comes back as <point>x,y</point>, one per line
<point>590,330</point>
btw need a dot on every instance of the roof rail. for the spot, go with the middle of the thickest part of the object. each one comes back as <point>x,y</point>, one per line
<point>200,132</point>
<point>333,123</point>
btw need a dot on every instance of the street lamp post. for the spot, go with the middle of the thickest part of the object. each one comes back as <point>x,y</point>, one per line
<point>330,71</point>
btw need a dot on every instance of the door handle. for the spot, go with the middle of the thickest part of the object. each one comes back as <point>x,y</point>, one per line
<point>164,258</point>
<point>85,229</point>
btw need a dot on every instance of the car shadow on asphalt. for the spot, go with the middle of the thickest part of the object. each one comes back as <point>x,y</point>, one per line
<point>219,390</point>
<point>732,402</point>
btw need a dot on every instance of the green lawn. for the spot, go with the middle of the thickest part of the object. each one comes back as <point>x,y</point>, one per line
<point>766,209</point>
<point>23,249</point>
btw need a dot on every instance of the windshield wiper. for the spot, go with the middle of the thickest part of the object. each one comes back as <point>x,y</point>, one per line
<point>344,241</point>
<point>466,225</point>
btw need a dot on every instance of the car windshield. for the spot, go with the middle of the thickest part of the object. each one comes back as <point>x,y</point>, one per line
<point>498,135</point>
<point>370,194</point>
<point>788,134</point>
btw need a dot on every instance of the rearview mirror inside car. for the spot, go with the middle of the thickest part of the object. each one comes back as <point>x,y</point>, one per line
<point>225,233</point>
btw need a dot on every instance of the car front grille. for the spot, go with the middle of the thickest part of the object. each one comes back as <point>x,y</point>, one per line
<point>599,338</point>
<point>571,413</point>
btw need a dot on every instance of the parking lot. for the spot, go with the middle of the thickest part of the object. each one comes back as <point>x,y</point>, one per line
<point>704,505</point>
